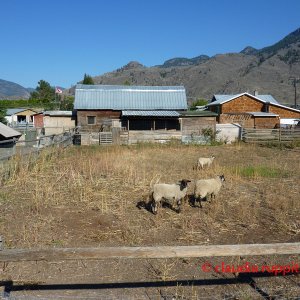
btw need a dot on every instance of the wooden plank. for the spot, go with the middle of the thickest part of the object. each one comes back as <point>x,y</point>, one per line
<point>59,254</point>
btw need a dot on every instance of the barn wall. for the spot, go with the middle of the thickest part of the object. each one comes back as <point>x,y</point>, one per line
<point>102,116</point>
<point>195,125</point>
<point>158,136</point>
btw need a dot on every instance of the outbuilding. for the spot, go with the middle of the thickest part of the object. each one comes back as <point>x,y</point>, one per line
<point>252,111</point>
<point>132,113</point>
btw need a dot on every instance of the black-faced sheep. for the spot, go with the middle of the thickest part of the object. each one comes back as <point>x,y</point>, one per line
<point>171,193</point>
<point>207,187</point>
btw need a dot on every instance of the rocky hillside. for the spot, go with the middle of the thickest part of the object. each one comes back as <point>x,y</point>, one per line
<point>266,70</point>
<point>10,90</point>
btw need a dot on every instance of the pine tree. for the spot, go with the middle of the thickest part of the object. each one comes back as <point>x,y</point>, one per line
<point>88,79</point>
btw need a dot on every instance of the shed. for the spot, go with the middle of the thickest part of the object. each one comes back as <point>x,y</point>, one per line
<point>195,122</point>
<point>54,121</point>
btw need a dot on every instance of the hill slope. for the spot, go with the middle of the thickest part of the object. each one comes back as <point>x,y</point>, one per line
<point>267,70</point>
<point>11,90</point>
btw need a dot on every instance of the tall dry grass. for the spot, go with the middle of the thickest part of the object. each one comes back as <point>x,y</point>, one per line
<point>88,195</point>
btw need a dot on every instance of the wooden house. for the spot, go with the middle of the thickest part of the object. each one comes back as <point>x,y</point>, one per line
<point>17,117</point>
<point>141,113</point>
<point>252,111</point>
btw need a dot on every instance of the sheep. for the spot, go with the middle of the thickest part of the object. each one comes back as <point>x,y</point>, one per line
<point>169,192</point>
<point>205,161</point>
<point>207,187</point>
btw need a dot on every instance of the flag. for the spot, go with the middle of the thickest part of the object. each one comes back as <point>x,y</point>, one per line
<point>58,90</point>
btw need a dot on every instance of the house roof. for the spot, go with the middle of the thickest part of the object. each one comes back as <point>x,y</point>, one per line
<point>130,97</point>
<point>13,111</point>
<point>150,113</point>
<point>8,132</point>
<point>220,99</point>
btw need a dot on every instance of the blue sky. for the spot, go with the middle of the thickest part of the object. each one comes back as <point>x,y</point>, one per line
<point>60,40</point>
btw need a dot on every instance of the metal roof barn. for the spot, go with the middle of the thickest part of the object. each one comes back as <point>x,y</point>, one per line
<point>130,97</point>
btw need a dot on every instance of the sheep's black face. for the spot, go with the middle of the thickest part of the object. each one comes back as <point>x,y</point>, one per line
<point>184,183</point>
<point>222,178</point>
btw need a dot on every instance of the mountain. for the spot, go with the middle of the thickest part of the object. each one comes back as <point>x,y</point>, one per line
<point>267,70</point>
<point>10,91</point>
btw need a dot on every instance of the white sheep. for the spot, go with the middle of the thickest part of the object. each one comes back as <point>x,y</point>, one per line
<point>205,161</point>
<point>168,192</point>
<point>207,187</point>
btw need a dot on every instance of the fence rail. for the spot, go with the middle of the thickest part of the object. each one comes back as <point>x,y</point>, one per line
<point>105,138</point>
<point>252,135</point>
<point>58,254</point>
<point>12,147</point>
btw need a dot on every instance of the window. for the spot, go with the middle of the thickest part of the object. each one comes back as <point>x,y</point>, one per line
<point>91,120</point>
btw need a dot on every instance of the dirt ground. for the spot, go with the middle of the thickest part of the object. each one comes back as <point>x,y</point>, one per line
<point>94,196</point>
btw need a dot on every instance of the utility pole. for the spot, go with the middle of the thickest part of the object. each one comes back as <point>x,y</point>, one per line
<point>295,80</point>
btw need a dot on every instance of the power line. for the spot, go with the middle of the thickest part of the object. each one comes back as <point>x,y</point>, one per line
<point>295,80</point>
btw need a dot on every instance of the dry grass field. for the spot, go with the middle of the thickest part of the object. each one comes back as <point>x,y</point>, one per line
<point>88,196</point>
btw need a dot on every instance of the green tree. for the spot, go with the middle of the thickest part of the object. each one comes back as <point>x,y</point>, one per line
<point>88,79</point>
<point>44,93</point>
<point>198,102</point>
<point>126,82</point>
<point>67,103</point>
<point>2,116</point>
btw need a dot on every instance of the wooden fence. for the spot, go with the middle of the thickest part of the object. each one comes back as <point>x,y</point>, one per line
<point>59,254</point>
<point>252,135</point>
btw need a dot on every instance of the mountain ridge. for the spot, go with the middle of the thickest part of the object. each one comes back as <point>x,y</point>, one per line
<point>267,70</point>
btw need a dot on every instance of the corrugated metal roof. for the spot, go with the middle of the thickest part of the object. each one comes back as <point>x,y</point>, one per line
<point>220,99</point>
<point>130,97</point>
<point>59,113</point>
<point>8,132</point>
<point>150,113</point>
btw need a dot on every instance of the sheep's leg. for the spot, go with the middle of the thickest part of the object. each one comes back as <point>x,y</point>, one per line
<point>200,204</point>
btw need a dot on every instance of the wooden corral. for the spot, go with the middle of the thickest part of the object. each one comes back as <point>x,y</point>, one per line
<point>270,135</point>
